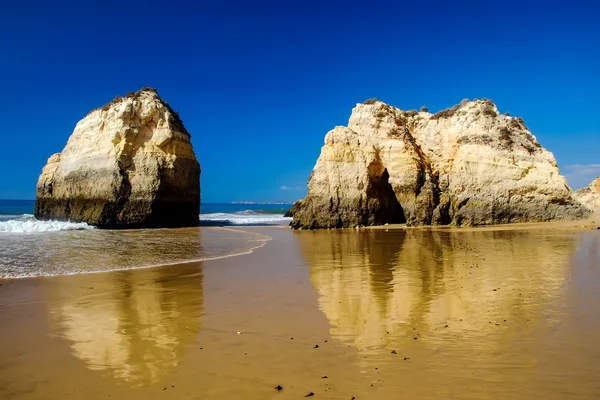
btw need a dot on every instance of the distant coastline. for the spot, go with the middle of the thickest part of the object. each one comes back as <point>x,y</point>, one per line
<point>262,202</point>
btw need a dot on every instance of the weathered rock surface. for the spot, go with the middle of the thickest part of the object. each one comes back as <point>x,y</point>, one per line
<point>293,209</point>
<point>127,164</point>
<point>467,165</point>
<point>590,196</point>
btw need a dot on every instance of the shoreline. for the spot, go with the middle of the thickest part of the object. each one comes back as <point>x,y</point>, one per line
<point>261,243</point>
<point>589,224</point>
<point>592,222</point>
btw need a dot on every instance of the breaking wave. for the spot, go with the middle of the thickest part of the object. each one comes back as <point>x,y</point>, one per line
<point>246,217</point>
<point>27,223</point>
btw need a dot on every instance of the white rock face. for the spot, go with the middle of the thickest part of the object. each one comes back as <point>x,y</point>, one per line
<point>590,196</point>
<point>129,163</point>
<point>467,165</point>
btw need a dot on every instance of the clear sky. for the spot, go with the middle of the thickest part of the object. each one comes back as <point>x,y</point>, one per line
<point>259,83</point>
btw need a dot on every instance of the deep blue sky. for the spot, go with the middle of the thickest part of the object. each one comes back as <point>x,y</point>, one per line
<point>259,84</point>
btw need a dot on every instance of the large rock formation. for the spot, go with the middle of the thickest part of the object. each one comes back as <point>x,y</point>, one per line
<point>590,196</point>
<point>127,164</point>
<point>467,165</point>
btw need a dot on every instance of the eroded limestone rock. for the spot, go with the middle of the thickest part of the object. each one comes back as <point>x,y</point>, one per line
<point>127,164</point>
<point>293,209</point>
<point>468,165</point>
<point>590,196</point>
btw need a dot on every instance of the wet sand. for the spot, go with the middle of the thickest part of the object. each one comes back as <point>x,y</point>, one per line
<point>416,314</point>
<point>591,223</point>
<point>99,250</point>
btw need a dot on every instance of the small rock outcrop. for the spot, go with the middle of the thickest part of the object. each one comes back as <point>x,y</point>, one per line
<point>129,163</point>
<point>293,209</point>
<point>590,196</point>
<point>467,165</point>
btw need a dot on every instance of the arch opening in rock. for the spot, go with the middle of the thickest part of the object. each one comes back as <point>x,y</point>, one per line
<point>383,207</point>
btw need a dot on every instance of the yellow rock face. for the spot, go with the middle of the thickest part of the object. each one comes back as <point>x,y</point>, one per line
<point>129,163</point>
<point>468,165</point>
<point>590,196</point>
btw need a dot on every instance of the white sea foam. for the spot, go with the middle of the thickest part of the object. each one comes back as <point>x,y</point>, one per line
<point>101,250</point>
<point>28,224</point>
<point>243,218</point>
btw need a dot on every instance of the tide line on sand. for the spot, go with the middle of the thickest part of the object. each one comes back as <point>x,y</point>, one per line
<point>259,241</point>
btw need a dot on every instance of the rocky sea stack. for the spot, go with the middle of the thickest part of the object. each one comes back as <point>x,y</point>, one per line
<point>467,165</point>
<point>590,196</point>
<point>127,164</point>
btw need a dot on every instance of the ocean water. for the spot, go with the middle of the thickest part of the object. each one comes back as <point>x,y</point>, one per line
<point>29,247</point>
<point>17,216</point>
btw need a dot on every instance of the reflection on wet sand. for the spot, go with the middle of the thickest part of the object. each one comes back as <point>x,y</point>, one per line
<point>409,314</point>
<point>472,308</point>
<point>131,324</point>
<point>375,282</point>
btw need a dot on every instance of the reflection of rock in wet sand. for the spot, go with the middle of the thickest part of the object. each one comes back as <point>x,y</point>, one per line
<point>386,288</point>
<point>134,324</point>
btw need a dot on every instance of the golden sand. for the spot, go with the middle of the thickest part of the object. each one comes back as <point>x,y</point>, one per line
<point>415,314</point>
<point>591,223</point>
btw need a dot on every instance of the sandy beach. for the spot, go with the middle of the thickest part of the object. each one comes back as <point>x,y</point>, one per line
<point>263,200</point>
<point>422,314</point>
<point>590,223</point>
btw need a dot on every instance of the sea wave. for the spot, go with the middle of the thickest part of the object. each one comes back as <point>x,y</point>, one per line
<point>246,217</point>
<point>102,250</point>
<point>27,223</point>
